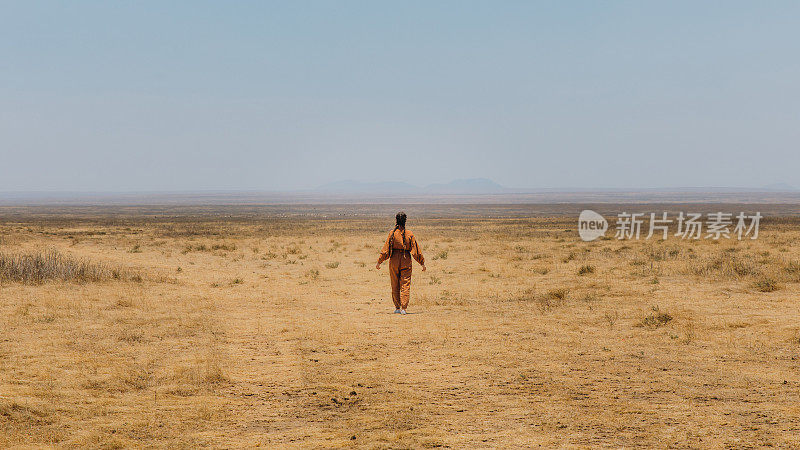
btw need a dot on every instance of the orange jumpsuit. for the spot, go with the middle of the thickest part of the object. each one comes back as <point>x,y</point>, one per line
<point>400,264</point>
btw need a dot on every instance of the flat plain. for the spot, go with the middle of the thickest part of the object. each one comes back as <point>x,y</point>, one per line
<point>249,326</point>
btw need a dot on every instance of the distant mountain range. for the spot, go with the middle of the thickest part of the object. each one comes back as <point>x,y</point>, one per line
<point>784,187</point>
<point>462,186</point>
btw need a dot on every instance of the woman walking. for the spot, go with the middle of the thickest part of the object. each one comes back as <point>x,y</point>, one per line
<point>400,246</point>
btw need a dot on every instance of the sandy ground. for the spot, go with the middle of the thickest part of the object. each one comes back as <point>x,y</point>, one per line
<point>280,332</point>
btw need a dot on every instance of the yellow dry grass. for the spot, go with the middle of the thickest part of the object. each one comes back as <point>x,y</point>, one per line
<point>279,332</point>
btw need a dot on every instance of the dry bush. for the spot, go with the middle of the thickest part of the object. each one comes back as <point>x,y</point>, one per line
<point>655,319</point>
<point>24,414</point>
<point>450,298</point>
<point>727,265</point>
<point>195,248</point>
<point>208,248</point>
<point>203,374</point>
<point>312,274</point>
<point>792,272</point>
<point>38,267</point>
<point>545,302</point>
<point>766,284</point>
<point>611,317</point>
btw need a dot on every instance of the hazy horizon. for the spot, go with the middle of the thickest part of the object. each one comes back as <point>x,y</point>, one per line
<point>205,96</point>
<point>351,186</point>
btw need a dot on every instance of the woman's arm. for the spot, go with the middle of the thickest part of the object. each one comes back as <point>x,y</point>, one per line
<point>384,251</point>
<point>416,253</point>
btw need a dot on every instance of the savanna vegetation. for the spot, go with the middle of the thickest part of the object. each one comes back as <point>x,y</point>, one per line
<point>241,329</point>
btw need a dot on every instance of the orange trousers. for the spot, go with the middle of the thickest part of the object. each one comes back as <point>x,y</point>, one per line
<point>400,274</point>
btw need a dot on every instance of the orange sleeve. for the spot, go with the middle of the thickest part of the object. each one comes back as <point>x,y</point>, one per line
<point>415,252</point>
<point>385,250</point>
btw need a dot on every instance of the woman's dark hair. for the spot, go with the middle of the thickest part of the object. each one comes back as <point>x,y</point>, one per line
<point>400,222</point>
<point>401,219</point>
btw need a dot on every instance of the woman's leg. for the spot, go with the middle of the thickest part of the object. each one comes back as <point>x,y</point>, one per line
<point>394,274</point>
<point>405,287</point>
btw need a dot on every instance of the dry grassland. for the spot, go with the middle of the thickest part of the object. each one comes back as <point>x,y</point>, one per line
<point>279,332</point>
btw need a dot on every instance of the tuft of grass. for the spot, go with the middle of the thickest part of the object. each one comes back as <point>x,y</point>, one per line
<point>766,284</point>
<point>332,265</point>
<point>312,274</point>
<point>194,248</point>
<point>793,268</point>
<point>441,255</point>
<point>545,302</point>
<point>204,373</point>
<point>611,317</point>
<point>134,378</point>
<point>38,267</point>
<point>792,271</point>
<point>450,298</point>
<point>728,265</point>
<point>558,294</point>
<point>553,299</point>
<point>655,319</point>
<point>586,269</point>
<point>590,297</point>
<point>131,337</point>
<point>15,412</point>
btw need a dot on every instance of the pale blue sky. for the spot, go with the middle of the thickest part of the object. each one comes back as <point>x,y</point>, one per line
<point>189,95</point>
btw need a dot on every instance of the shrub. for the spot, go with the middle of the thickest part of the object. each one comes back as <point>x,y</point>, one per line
<point>655,319</point>
<point>38,267</point>
<point>728,265</point>
<point>558,294</point>
<point>586,269</point>
<point>332,265</point>
<point>766,285</point>
<point>196,248</point>
<point>546,302</point>
<point>793,267</point>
